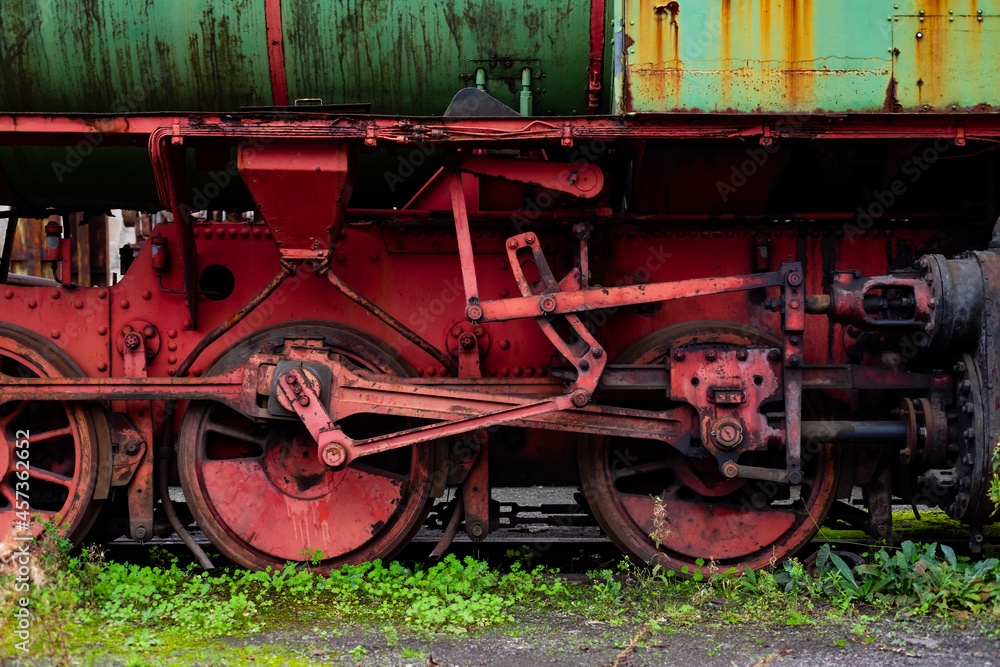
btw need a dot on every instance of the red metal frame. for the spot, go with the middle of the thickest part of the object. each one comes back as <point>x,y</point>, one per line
<point>276,52</point>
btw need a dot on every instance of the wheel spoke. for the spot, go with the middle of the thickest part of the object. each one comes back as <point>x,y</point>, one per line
<point>642,469</point>
<point>49,435</point>
<point>18,410</point>
<point>47,476</point>
<point>236,433</point>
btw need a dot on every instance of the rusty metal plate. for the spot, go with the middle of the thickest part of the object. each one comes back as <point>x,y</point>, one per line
<point>752,56</point>
<point>946,58</point>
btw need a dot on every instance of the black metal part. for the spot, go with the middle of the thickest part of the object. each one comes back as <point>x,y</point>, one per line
<point>859,432</point>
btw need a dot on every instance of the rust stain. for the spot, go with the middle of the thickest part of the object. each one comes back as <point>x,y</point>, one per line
<point>799,53</point>
<point>726,44</point>
<point>764,20</point>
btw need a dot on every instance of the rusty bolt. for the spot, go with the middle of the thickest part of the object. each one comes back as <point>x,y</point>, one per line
<point>512,243</point>
<point>584,365</point>
<point>132,341</point>
<point>794,340</point>
<point>730,469</point>
<point>742,355</point>
<point>303,401</point>
<point>479,331</point>
<point>548,304</point>
<point>132,448</point>
<point>456,331</point>
<point>140,532</point>
<point>597,352</point>
<point>793,360</point>
<point>710,355</point>
<point>794,279</point>
<point>126,330</point>
<point>474,313</point>
<point>290,379</point>
<point>580,398</point>
<point>477,529</point>
<point>679,355</point>
<point>529,239</point>
<point>148,331</point>
<point>504,344</point>
<point>467,341</point>
<point>773,354</point>
<point>881,529</point>
<point>334,455</point>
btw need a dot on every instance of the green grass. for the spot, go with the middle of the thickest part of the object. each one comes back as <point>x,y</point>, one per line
<point>88,611</point>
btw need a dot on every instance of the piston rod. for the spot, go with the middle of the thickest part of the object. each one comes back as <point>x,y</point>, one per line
<point>860,432</point>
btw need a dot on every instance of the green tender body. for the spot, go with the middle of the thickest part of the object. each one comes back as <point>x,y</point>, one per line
<point>403,56</point>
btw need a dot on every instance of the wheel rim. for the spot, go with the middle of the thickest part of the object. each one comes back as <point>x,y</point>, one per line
<point>663,508</point>
<point>62,461</point>
<point>262,496</point>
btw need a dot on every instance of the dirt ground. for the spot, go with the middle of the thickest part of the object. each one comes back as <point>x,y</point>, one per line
<point>565,641</point>
<point>590,644</point>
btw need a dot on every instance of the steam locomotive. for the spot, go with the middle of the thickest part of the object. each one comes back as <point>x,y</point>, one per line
<point>717,263</point>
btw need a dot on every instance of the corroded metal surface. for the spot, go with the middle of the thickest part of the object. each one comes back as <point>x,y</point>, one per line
<point>110,55</point>
<point>751,56</point>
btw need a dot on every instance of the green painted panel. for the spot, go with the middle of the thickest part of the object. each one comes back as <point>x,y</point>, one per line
<point>754,56</point>
<point>947,58</point>
<point>411,57</point>
<point>139,56</point>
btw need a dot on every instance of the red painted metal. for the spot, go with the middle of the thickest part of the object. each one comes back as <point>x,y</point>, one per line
<point>40,129</point>
<point>276,52</point>
<point>615,297</point>
<point>301,187</point>
<point>580,180</point>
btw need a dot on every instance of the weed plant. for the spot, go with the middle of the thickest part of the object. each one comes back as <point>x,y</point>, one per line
<point>82,597</point>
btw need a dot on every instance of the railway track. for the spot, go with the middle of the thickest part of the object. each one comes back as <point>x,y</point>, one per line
<point>545,525</point>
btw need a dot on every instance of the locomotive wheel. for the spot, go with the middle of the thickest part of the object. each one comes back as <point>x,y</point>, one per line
<point>62,460</point>
<point>663,508</point>
<point>263,497</point>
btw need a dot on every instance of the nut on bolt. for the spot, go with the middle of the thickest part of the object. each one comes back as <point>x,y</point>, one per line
<point>474,313</point>
<point>334,455</point>
<point>548,304</point>
<point>580,398</point>
<point>467,341</point>
<point>132,341</point>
